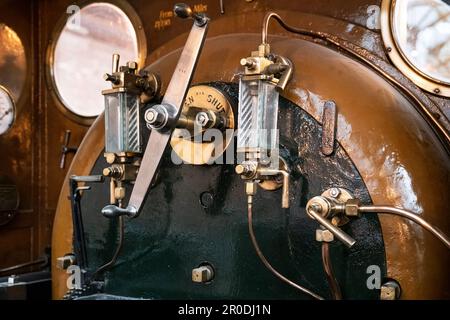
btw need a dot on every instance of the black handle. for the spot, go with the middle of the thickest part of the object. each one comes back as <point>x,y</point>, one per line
<point>183,11</point>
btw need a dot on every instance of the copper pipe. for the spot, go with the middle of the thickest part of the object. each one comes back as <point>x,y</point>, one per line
<point>266,263</point>
<point>409,215</point>
<point>113,260</point>
<point>328,268</point>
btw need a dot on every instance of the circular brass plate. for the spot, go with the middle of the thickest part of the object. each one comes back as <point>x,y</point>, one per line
<point>200,151</point>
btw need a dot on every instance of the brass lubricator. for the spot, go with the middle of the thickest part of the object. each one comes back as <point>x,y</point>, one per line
<point>266,74</point>
<point>123,144</point>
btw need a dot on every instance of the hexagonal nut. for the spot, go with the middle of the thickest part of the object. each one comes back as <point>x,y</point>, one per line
<point>352,208</point>
<point>202,274</point>
<point>324,235</point>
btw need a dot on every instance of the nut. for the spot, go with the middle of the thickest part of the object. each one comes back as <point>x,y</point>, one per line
<point>204,119</point>
<point>335,192</point>
<point>352,208</point>
<point>119,193</point>
<point>202,274</point>
<point>324,235</point>
<point>250,188</point>
<point>156,116</point>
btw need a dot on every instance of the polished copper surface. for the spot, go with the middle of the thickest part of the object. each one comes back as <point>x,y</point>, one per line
<point>396,152</point>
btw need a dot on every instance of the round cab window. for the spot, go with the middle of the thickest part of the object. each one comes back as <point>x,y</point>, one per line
<point>83,51</point>
<point>421,29</point>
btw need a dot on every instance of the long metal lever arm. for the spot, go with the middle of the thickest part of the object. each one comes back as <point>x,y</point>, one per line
<point>159,138</point>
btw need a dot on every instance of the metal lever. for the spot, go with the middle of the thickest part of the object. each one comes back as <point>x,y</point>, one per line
<point>341,235</point>
<point>170,109</point>
<point>184,11</point>
<point>66,149</point>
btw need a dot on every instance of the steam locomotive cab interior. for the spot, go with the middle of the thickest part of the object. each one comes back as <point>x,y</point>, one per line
<point>225,149</point>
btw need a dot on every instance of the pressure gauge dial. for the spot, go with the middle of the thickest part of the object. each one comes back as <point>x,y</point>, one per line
<point>7,110</point>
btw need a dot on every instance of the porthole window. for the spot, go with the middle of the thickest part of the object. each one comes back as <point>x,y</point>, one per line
<point>417,37</point>
<point>82,53</point>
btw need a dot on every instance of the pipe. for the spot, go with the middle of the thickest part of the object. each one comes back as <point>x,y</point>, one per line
<point>409,215</point>
<point>264,260</point>
<point>113,260</point>
<point>328,268</point>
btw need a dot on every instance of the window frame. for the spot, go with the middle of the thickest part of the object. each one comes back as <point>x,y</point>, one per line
<point>61,104</point>
<point>396,55</point>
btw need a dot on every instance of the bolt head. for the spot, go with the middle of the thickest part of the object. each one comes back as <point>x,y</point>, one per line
<point>154,117</point>
<point>204,119</point>
<point>335,192</point>
<point>150,115</point>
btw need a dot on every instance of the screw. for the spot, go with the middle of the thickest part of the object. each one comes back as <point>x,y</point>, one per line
<point>335,192</point>
<point>437,90</point>
<point>201,119</point>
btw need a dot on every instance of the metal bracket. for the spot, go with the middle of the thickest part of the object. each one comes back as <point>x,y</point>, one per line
<point>329,118</point>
